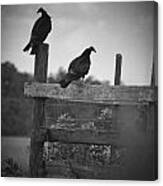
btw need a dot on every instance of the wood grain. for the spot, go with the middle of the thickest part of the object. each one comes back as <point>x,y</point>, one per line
<point>92,94</point>
<point>37,140</point>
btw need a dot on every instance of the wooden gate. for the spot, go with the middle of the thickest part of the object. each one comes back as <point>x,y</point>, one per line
<point>132,124</point>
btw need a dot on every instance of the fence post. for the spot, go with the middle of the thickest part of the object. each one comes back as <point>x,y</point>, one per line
<point>153,75</point>
<point>37,167</point>
<point>117,80</point>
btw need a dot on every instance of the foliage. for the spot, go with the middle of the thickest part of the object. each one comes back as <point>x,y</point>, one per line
<point>16,114</point>
<point>92,81</point>
<point>12,81</point>
<point>9,168</point>
<point>58,76</point>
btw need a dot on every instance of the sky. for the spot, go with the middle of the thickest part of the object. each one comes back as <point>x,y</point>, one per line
<point>112,28</point>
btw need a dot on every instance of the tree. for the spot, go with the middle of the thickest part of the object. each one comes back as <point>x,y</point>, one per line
<point>12,81</point>
<point>16,112</point>
<point>92,81</point>
<point>58,76</point>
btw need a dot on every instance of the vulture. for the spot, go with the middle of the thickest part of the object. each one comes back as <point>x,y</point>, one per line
<point>78,68</point>
<point>40,31</point>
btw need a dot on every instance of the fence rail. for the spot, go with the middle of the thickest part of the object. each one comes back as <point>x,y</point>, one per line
<point>98,93</point>
<point>83,136</point>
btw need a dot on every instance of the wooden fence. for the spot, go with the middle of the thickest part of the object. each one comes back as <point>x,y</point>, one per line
<point>133,122</point>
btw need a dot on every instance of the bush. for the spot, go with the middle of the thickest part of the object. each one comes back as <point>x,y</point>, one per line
<point>9,168</point>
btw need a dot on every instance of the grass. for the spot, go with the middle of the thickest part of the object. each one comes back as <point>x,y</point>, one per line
<point>16,148</point>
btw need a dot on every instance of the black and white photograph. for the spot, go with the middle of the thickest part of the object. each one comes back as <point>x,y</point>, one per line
<point>79,90</point>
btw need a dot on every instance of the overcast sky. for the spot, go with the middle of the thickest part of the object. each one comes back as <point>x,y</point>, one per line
<point>125,28</point>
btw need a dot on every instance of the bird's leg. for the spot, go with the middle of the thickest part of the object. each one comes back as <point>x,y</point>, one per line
<point>82,82</point>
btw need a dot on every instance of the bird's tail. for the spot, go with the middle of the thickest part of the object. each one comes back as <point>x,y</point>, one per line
<point>67,80</point>
<point>64,83</point>
<point>34,49</point>
<point>27,47</point>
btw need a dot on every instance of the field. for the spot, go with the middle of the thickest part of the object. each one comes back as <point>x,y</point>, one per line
<point>16,148</point>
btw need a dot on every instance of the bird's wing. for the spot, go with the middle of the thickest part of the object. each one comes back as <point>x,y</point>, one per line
<point>41,29</point>
<point>80,65</point>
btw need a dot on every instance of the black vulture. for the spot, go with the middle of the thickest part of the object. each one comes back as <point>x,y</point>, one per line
<point>40,31</point>
<point>78,68</point>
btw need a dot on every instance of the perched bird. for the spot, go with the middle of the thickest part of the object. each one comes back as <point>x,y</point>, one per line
<point>40,31</point>
<point>78,68</point>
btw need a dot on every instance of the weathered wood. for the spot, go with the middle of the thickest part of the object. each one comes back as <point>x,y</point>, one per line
<point>41,64</point>
<point>128,127</point>
<point>75,170</point>
<point>58,169</point>
<point>99,137</point>
<point>83,136</point>
<point>98,94</point>
<point>117,80</point>
<point>153,75</point>
<point>36,148</point>
<point>98,172</point>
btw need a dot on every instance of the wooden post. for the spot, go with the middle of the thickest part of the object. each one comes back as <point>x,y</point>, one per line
<point>37,138</point>
<point>117,80</point>
<point>153,75</point>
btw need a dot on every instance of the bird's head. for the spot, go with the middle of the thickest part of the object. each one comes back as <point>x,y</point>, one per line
<point>41,10</point>
<point>92,49</point>
<point>88,51</point>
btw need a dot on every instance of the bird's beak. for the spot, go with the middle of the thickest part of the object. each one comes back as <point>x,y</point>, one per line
<point>94,50</point>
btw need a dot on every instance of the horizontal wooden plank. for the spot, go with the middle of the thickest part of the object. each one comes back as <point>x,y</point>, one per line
<point>94,93</point>
<point>75,170</point>
<point>98,136</point>
<point>98,172</point>
<point>82,136</point>
<point>77,114</point>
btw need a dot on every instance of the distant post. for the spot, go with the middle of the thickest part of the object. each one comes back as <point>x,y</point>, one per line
<point>117,79</point>
<point>37,139</point>
<point>153,75</point>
